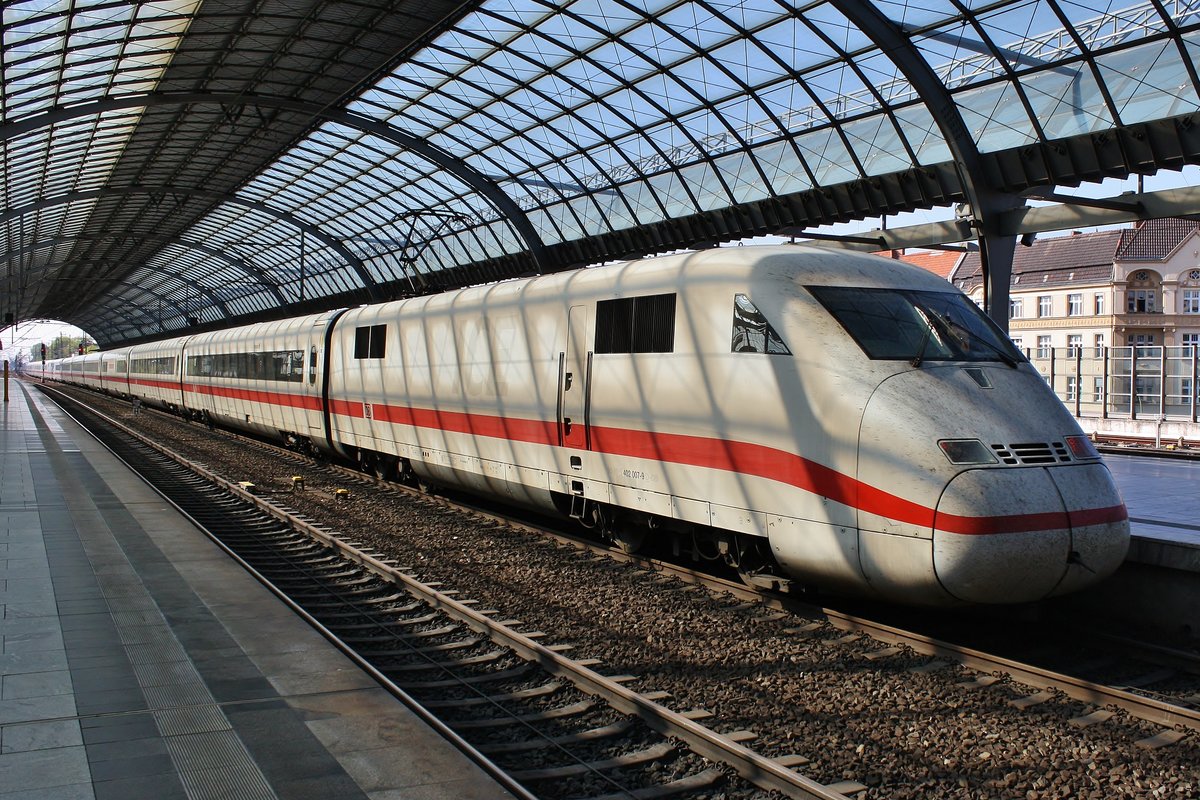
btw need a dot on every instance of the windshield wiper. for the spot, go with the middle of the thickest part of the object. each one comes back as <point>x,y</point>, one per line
<point>920,356</point>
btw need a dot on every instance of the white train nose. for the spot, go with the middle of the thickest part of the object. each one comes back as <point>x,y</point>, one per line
<point>1019,535</point>
<point>983,552</point>
<point>1099,524</point>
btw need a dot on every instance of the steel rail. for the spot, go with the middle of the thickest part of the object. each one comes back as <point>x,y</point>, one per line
<point>1145,708</point>
<point>766,773</point>
<point>1139,706</point>
<point>500,776</point>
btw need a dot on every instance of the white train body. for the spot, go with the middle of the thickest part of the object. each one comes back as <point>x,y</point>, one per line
<point>856,417</point>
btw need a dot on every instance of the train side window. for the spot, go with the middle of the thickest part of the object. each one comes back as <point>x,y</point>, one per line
<point>370,341</point>
<point>751,331</point>
<point>636,325</point>
<point>312,365</point>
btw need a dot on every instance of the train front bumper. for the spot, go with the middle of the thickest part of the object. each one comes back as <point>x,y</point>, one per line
<point>1020,535</point>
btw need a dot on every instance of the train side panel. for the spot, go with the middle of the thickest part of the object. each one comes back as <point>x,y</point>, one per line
<point>114,371</point>
<point>461,386</point>
<point>479,389</point>
<point>89,367</point>
<point>154,373</point>
<point>266,378</point>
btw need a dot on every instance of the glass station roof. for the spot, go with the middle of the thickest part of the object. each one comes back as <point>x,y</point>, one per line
<point>181,163</point>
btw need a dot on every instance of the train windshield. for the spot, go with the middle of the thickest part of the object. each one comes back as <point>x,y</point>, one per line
<point>904,324</point>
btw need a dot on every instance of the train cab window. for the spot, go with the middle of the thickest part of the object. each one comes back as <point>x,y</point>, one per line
<point>916,326</point>
<point>370,341</point>
<point>636,325</point>
<point>751,331</point>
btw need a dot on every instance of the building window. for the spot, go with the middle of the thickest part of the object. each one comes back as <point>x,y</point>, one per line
<point>1191,340</point>
<point>1044,305</point>
<point>1099,345</point>
<point>1191,301</point>
<point>370,341</point>
<point>1043,347</point>
<point>1072,387</point>
<point>1098,389</point>
<point>1015,308</point>
<point>1140,340</point>
<point>636,325</point>
<point>1018,342</point>
<point>1075,343</point>
<point>1074,305</point>
<point>1140,301</point>
<point>1099,304</point>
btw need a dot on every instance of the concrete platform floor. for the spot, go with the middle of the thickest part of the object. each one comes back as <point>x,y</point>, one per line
<point>138,661</point>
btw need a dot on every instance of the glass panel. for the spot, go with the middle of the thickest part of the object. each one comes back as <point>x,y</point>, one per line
<point>995,117</point>
<point>751,331</point>
<point>1067,101</point>
<point>895,324</point>
<point>1149,82</point>
<point>877,145</point>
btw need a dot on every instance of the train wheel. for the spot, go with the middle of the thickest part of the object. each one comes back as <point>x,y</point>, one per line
<point>630,540</point>
<point>381,469</point>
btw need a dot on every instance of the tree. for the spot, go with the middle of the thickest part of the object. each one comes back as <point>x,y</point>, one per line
<point>64,346</point>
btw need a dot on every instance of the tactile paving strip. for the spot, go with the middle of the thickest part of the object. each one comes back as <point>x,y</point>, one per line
<point>194,719</point>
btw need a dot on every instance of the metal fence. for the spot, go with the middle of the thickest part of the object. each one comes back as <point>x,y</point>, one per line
<point>1154,383</point>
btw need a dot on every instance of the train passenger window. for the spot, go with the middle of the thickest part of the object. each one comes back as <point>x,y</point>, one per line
<point>636,325</point>
<point>370,341</point>
<point>751,331</point>
<point>312,365</point>
<point>154,366</point>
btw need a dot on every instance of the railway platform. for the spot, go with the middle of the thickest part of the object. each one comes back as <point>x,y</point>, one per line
<point>1164,508</point>
<point>137,660</point>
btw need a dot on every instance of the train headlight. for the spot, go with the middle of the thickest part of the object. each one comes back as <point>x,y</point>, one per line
<point>1081,447</point>
<point>966,451</point>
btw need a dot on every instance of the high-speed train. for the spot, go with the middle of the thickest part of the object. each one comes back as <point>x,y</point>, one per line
<point>842,421</point>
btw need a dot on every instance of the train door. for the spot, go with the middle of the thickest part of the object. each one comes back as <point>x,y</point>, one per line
<point>313,389</point>
<point>574,383</point>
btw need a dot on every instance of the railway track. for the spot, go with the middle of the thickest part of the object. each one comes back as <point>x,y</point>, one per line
<point>853,639</point>
<point>531,716</point>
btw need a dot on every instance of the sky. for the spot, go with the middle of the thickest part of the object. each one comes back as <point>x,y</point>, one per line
<point>24,335</point>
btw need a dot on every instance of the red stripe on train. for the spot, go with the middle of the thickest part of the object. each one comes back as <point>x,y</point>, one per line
<point>720,454</point>
<point>304,401</point>
<point>741,457</point>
